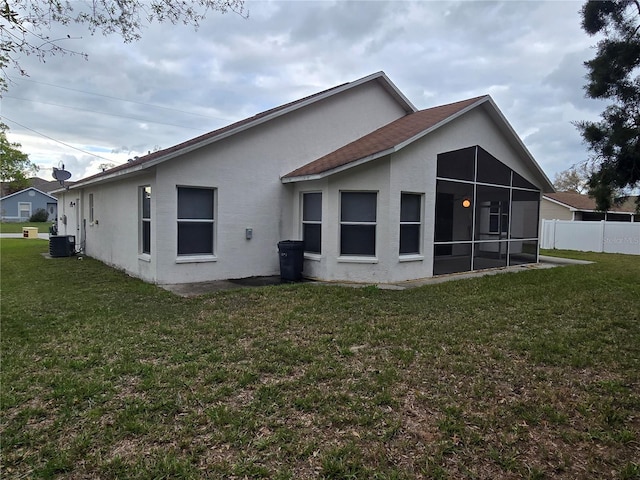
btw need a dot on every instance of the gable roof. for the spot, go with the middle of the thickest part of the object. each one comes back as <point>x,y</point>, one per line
<point>383,141</point>
<point>404,131</point>
<point>26,190</point>
<point>154,158</point>
<point>581,202</point>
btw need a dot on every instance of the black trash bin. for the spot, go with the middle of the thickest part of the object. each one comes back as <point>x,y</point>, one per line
<point>291,260</point>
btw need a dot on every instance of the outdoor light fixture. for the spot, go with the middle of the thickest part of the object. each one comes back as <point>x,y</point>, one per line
<point>72,204</point>
<point>466,203</point>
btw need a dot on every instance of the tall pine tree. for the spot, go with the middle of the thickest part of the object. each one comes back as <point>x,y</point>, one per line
<point>614,74</point>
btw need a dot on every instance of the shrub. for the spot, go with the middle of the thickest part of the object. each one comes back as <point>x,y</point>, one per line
<point>40,215</point>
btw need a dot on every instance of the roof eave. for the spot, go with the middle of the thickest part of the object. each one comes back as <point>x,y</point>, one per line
<point>381,77</point>
<point>548,187</point>
<point>341,168</point>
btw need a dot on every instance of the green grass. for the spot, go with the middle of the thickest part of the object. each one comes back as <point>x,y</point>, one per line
<point>16,227</point>
<point>524,375</point>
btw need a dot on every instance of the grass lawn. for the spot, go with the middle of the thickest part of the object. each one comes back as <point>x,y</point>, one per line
<point>523,375</point>
<point>16,227</point>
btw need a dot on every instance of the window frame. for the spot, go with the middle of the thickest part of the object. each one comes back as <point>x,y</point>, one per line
<point>304,222</point>
<point>419,223</point>
<point>204,256</point>
<point>145,222</point>
<point>30,208</point>
<point>359,256</point>
<point>91,216</point>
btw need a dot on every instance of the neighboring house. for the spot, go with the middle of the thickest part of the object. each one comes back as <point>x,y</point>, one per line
<point>41,184</point>
<point>19,206</point>
<point>582,208</point>
<point>377,190</point>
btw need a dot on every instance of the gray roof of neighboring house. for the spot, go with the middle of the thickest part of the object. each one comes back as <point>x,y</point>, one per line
<point>579,201</point>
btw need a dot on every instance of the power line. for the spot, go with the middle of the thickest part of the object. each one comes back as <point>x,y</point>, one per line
<point>101,113</point>
<point>125,100</point>
<point>53,139</point>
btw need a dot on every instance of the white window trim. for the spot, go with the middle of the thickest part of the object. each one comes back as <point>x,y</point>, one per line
<point>410,257</point>
<point>359,258</point>
<point>303,222</point>
<point>204,257</point>
<point>29,204</point>
<point>144,256</point>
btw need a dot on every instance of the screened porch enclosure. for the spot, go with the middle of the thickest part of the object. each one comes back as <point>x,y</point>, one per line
<point>486,214</point>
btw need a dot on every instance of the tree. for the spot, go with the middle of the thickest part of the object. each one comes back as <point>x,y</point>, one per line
<point>15,167</point>
<point>613,74</point>
<point>25,24</point>
<point>574,179</point>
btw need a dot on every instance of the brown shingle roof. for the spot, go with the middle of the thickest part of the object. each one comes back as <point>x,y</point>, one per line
<point>384,138</point>
<point>585,202</point>
<point>248,122</point>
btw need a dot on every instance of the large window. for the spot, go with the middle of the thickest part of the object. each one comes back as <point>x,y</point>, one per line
<point>312,222</point>
<point>24,209</point>
<point>486,214</point>
<point>358,213</point>
<point>145,219</point>
<point>196,222</point>
<point>410,223</point>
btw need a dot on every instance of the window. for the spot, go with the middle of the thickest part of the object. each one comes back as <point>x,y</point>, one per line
<point>195,221</point>
<point>91,207</point>
<point>145,218</point>
<point>410,223</point>
<point>24,209</point>
<point>358,223</point>
<point>312,222</point>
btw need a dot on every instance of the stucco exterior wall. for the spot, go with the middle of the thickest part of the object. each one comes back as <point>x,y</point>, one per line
<point>245,171</point>
<point>411,170</point>
<point>113,236</point>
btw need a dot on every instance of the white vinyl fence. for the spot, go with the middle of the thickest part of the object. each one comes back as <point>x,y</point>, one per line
<point>609,237</point>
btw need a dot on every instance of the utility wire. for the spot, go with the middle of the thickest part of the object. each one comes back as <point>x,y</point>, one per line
<point>125,100</point>
<point>53,139</point>
<point>101,113</point>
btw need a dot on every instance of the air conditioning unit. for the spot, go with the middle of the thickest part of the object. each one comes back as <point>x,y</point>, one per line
<point>62,245</point>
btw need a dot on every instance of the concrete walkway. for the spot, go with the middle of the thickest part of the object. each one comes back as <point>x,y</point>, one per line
<point>202,288</point>
<point>42,236</point>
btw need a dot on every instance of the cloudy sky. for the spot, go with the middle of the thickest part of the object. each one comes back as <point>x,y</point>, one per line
<point>177,83</point>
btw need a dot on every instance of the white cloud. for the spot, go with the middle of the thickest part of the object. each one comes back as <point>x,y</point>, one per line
<point>177,83</point>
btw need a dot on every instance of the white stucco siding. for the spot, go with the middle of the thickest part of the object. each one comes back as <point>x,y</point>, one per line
<point>113,236</point>
<point>245,171</point>
<point>411,170</point>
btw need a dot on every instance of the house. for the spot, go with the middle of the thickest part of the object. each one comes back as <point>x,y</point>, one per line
<point>19,206</point>
<point>41,184</point>
<point>378,191</point>
<point>582,208</point>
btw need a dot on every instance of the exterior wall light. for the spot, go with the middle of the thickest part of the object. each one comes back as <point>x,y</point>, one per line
<point>466,203</point>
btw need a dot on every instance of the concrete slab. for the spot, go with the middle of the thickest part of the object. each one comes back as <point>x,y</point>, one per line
<point>203,288</point>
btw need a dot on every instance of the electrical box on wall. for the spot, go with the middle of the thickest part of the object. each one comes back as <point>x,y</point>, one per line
<point>248,233</point>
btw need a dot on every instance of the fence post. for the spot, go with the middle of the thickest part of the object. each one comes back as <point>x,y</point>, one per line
<point>602,229</point>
